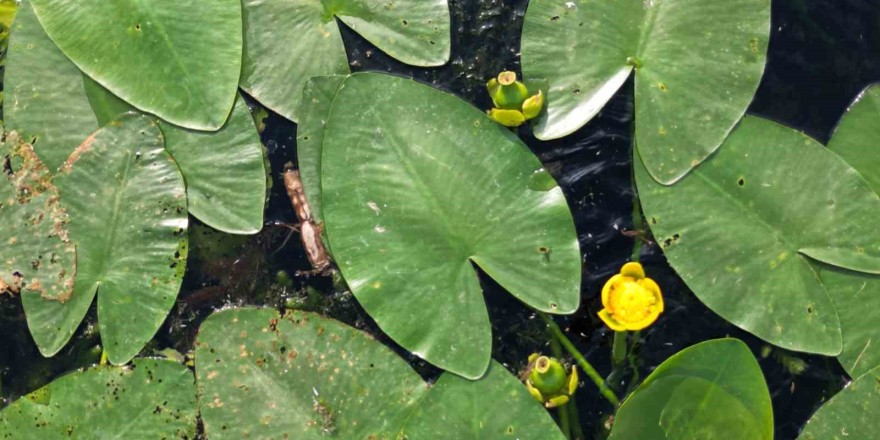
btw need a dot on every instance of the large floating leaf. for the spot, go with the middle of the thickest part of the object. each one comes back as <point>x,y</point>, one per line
<point>150,399</point>
<point>494,407</point>
<point>857,295</point>
<point>127,207</point>
<point>851,414</point>
<point>857,136</point>
<point>713,390</point>
<point>38,257</point>
<point>767,200</point>
<point>697,65</point>
<point>417,187</point>
<point>44,95</point>
<point>224,170</point>
<point>261,375</point>
<point>165,57</point>
<point>278,60</point>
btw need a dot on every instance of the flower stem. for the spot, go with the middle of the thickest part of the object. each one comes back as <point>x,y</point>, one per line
<point>564,422</point>
<point>618,348</point>
<point>577,432</point>
<point>637,225</point>
<point>581,360</point>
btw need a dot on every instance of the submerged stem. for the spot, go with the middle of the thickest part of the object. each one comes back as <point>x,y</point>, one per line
<point>618,348</point>
<point>581,360</point>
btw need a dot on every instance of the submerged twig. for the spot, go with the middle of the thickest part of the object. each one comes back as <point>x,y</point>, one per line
<point>309,231</point>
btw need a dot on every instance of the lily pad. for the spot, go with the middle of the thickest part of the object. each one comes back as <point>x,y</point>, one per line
<point>224,170</point>
<point>407,226</point>
<point>495,407</point>
<point>851,414</point>
<point>712,390</point>
<point>127,207</point>
<point>164,57</point>
<point>38,257</point>
<point>303,376</point>
<point>697,66</point>
<point>45,99</point>
<point>150,399</point>
<point>770,200</point>
<point>855,137</point>
<point>278,60</point>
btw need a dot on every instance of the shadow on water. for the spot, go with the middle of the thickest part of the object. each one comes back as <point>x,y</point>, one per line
<point>822,53</point>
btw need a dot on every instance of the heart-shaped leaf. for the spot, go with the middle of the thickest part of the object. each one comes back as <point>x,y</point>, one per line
<point>166,57</point>
<point>149,399</point>
<point>38,257</point>
<point>224,170</point>
<point>852,413</point>
<point>766,201</point>
<point>712,390</point>
<point>44,96</point>
<point>303,376</point>
<point>279,60</point>
<point>406,225</point>
<point>855,137</point>
<point>857,295</point>
<point>127,207</point>
<point>697,65</point>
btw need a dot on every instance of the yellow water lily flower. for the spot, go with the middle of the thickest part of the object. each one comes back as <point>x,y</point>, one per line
<point>631,301</point>
<point>548,382</point>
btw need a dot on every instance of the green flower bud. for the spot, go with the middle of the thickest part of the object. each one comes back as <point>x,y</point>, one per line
<point>548,382</point>
<point>506,92</point>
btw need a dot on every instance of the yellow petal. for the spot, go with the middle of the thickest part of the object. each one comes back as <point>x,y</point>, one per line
<point>609,286</point>
<point>633,269</point>
<point>507,118</point>
<point>610,321</point>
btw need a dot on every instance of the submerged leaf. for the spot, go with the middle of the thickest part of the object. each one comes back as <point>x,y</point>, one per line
<point>38,257</point>
<point>303,376</point>
<point>127,207</point>
<point>410,205</point>
<point>712,390</point>
<point>279,60</point>
<point>765,204</point>
<point>697,65</point>
<point>165,57</point>
<point>149,399</point>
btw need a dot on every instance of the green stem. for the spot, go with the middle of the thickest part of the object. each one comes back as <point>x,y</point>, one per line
<point>564,423</point>
<point>581,360</point>
<point>638,226</point>
<point>618,348</point>
<point>577,431</point>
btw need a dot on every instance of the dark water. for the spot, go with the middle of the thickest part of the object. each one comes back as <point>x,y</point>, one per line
<point>822,53</point>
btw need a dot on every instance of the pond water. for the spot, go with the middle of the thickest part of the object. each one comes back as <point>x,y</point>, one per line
<point>822,53</point>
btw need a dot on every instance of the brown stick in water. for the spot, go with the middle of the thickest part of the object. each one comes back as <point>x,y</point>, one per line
<point>310,232</point>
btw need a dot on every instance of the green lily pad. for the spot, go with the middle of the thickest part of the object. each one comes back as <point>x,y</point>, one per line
<point>164,57</point>
<point>855,137</point>
<point>150,399</point>
<point>697,66</point>
<point>38,257</point>
<point>856,296</point>
<point>303,376</point>
<point>45,99</point>
<point>127,207</point>
<point>712,390</point>
<point>278,60</point>
<point>410,205</point>
<point>851,414</point>
<point>59,106</point>
<point>495,407</point>
<point>224,170</point>
<point>765,204</point>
